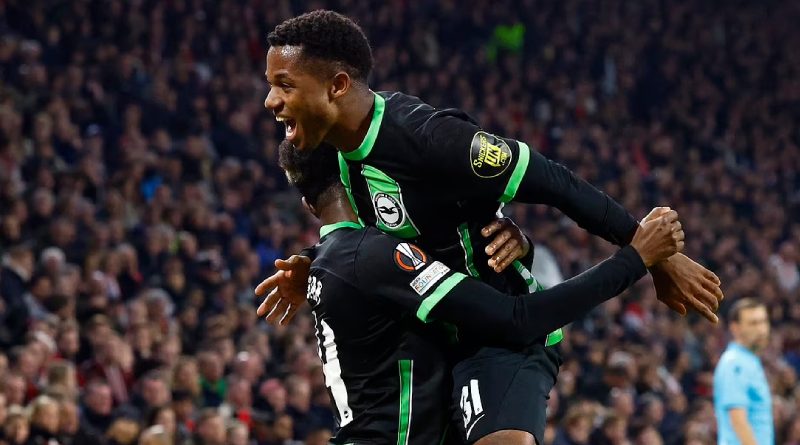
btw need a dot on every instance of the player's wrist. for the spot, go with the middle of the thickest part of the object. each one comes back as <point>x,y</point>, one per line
<point>662,266</point>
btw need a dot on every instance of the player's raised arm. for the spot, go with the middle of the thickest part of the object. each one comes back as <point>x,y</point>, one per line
<point>503,169</point>
<point>486,166</point>
<point>404,274</point>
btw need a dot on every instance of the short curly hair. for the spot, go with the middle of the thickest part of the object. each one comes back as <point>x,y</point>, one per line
<point>315,173</point>
<point>328,36</point>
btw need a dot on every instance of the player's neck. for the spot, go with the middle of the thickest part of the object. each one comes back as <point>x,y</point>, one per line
<point>355,116</point>
<point>336,212</point>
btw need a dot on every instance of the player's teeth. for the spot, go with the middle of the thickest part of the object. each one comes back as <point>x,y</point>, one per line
<point>280,119</point>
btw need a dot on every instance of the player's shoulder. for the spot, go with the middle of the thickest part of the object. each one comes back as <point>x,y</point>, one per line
<point>374,241</point>
<point>344,246</point>
<point>419,117</point>
<point>336,252</point>
<point>377,249</point>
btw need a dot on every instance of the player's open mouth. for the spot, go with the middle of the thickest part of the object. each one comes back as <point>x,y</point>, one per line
<point>291,126</point>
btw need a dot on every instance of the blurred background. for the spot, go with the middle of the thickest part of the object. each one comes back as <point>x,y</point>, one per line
<point>140,203</point>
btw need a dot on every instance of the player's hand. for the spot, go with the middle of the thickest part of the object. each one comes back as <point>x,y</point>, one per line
<point>658,238</point>
<point>655,213</point>
<point>509,243</point>
<point>287,289</point>
<point>682,283</point>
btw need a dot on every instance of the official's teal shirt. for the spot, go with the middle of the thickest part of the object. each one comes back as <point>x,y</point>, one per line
<point>740,382</point>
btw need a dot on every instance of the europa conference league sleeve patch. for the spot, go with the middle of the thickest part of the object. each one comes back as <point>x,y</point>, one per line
<point>489,155</point>
<point>409,257</point>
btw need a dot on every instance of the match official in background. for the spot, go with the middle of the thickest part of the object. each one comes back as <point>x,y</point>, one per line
<point>742,399</point>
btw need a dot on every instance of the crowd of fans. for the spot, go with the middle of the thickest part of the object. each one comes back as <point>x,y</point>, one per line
<point>140,202</point>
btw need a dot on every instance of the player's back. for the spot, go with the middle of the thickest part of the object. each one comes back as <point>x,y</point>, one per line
<point>386,372</point>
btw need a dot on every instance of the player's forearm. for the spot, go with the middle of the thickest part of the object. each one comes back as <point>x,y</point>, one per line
<point>518,321</point>
<point>548,182</point>
<point>742,428</point>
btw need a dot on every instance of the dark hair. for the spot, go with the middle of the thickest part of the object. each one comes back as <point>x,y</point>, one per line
<point>329,36</point>
<point>152,414</point>
<point>315,173</point>
<point>735,312</point>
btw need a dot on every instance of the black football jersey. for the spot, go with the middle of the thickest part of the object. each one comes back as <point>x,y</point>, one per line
<point>387,372</point>
<point>435,177</point>
<point>397,182</point>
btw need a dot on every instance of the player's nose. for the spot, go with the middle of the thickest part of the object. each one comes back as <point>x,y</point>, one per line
<point>273,102</point>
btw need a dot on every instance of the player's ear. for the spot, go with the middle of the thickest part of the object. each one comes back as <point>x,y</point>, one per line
<point>340,85</point>
<point>309,207</point>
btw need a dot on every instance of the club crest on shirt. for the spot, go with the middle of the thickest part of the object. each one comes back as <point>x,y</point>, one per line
<point>409,257</point>
<point>489,156</point>
<point>389,210</point>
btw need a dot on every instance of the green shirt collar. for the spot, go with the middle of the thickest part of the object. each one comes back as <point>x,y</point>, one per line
<point>372,134</point>
<point>328,228</point>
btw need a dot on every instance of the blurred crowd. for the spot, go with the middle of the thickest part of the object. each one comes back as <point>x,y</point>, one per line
<point>140,202</point>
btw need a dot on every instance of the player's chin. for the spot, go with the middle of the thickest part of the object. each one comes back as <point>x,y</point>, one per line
<point>301,143</point>
<point>304,142</point>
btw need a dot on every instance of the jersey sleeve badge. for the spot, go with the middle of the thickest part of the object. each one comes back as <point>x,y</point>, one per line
<point>409,257</point>
<point>489,155</point>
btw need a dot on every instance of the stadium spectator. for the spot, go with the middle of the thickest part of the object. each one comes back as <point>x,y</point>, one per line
<point>44,421</point>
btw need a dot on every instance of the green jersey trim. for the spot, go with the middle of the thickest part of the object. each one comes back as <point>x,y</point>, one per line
<point>440,292</point>
<point>554,337</point>
<point>530,280</point>
<point>469,255</point>
<point>535,286</point>
<point>518,173</point>
<point>363,150</point>
<point>406,382</point>
<point>328,228</point>
<point>344,175</point>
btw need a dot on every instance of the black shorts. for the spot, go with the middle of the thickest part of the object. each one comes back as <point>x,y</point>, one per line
<point>497,389</point>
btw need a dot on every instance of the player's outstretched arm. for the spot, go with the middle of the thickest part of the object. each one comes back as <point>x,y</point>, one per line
<point>550,183</point>
<point>680,282</point>
<point>519,321</point>
<point>401,272</point>
<point>285,289</point>
<point>490,167</point>
<point>487,166</point>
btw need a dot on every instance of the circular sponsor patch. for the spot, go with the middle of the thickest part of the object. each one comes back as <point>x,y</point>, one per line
<point>409,257</point>
<point>489,156</point>
<point>388,210</point>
